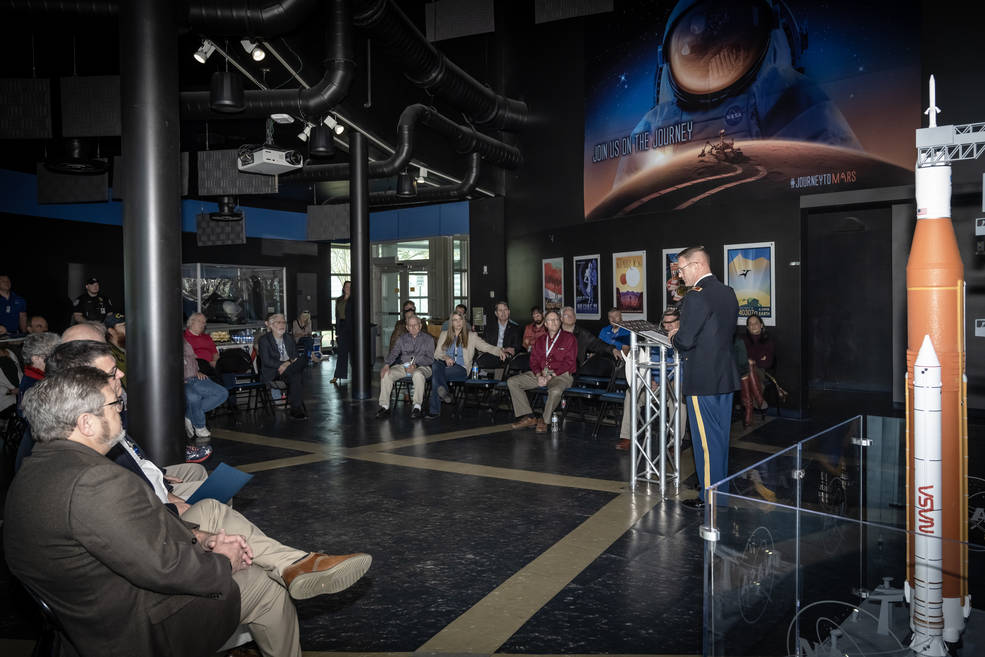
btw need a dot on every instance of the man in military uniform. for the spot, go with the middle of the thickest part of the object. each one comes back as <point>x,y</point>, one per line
<point>704,342</point>
<point>91,305</point>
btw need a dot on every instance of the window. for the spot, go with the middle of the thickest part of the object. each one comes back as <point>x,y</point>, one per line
<point>420,250</point>
<point>460,271</point>
<point>417,292</point>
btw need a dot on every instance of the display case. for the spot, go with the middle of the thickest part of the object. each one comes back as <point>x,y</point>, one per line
<point>236,299</point>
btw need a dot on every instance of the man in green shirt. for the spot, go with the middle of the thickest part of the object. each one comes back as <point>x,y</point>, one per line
<point>116,334</point>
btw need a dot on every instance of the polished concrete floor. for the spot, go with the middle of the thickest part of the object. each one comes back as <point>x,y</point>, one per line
<point>485,540</point>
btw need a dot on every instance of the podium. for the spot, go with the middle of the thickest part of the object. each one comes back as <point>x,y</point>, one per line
<point>653,374</point>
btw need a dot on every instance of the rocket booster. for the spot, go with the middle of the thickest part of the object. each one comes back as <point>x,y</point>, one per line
<point>935,293</point>
<point>926,609</point>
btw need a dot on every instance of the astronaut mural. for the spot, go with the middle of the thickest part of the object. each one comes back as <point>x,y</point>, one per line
<point>722,99</point>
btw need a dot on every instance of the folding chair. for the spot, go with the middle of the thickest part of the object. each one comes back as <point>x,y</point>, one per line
<point>516,365</point>
<point>406,385</point>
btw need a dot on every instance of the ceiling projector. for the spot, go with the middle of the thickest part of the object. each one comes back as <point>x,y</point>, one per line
<point>268,160</point>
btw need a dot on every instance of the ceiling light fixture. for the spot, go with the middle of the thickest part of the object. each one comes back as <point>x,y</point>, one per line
<point>226,93</point>
<point>254,51</point>
<point>406,187</point>
<point>422,175</point>
<point>204,52</point>
<point>305,132</point>
<point>322,143</point>
<point>334,124</point>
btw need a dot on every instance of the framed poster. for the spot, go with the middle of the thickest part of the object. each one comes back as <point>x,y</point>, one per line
<point>588,302</point>
<point>750,271</point>
<point>629,283</point>
<point>553,273</point>
<point>674,284</point>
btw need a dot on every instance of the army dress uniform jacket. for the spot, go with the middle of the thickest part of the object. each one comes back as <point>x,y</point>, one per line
<point>704,341</point>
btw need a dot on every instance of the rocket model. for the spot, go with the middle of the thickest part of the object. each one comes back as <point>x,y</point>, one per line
<point>926,598</point>
<point>935,294</point>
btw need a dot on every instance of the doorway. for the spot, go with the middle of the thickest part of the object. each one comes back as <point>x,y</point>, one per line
<point>848,302</point>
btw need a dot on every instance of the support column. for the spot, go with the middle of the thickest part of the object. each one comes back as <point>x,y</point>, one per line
<point>152,226</point>
<point>359,235</point>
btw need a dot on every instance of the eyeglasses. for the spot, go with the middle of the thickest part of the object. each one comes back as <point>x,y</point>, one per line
<point>683,267</point>
<point>118,402</point>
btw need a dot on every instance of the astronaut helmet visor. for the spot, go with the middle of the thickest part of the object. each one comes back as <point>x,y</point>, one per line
<point>716,43</point>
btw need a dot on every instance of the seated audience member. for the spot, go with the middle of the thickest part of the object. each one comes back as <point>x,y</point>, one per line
<point>10,379</point>
<point>35,350</point>
<point>462,310</point>
<point>613,334</point>
<point>453,357</point>
<point>279,362</point>
<point>301,330</point>
<point>504,333</point>
<point>13,309</point>
<point>91,305</point>
<point>534,329</point>
<point>203,345</point>
<point>552,364</point>
<point>202,394</point>
<point>671,320</point>
<point>37,324</point>
<point>762,358</point>
<point>590,347</point>
<point>401,326</point>
<point>85,330</point>
<point>745,391</point>
<point>77,517</point>
<point>116,337</point>
<point>412,355</point>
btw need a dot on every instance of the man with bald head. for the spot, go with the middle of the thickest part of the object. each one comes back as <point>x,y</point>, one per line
<point>85,331</point>
<point>704,341</point>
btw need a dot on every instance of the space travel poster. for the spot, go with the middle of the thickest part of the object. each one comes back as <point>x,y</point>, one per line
<point>706,103</point>
<point>749,271</point>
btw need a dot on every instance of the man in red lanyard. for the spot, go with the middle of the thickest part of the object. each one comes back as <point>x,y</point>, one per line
<point>553,360</point>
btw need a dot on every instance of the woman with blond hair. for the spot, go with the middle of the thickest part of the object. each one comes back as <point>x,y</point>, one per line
<point>453,356</point>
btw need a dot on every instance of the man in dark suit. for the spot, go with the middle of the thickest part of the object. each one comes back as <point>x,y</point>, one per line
<point>704,342</point>
<point>279,362</point>
<point>504,333</point>
<point>125,578</point>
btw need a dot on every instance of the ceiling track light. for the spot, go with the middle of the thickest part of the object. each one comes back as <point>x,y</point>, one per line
<point>422,175</point>
<point>204,52</point>
<point>253,50</point>
<point>406,187</point>
<point>305,132</point>
<point>334,124</point>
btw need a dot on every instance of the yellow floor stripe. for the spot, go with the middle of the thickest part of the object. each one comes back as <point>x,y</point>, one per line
<point>498,616</point>
<point>287,462</point>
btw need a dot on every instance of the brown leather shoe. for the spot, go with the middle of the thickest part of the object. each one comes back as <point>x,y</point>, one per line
<point>318,574</point>
<point>623,445</point>
<point>525,423</point>
<point>541,426</point>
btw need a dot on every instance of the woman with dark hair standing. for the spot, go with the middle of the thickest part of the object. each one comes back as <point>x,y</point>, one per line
<point>761,352</point>
<point>343,331</point>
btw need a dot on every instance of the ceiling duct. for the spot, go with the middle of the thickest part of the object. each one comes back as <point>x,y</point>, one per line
<point>455,192</point>
<point>465,138</point>
<point>429,69</point>
<point>75,156</point>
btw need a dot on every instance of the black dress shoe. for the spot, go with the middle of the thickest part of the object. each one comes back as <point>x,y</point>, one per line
<point>694,503</point>
<point>445,395</point>
<point>383,412</point>
<point>297,414</point>
<point>416,414</point>
<point>431,416</point>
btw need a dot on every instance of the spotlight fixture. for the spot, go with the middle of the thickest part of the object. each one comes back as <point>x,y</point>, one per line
<point>406,187</point>
<point>422,175</point>
<point>203,53</point>
<point>226,93</point>
<point>253,50</point>
<point>305,132</point>
<point>322,143</point>
<point>334,124</point>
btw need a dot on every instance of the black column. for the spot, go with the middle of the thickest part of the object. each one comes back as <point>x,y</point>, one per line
<point>359,258</point>
<point>152,225</point>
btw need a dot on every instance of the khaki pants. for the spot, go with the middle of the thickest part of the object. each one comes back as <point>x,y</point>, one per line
<point>191,474</point>
<point>397,372</point>
<point>266,605</point>
<point>520,383</point>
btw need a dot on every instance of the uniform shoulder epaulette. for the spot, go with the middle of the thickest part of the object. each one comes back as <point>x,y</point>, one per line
<point>695,289</point>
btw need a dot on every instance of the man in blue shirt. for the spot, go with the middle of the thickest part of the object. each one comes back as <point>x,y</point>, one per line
<point>13,309</point>
<point>615,335</point>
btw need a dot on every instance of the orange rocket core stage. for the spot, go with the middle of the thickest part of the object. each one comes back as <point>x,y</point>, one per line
<point>935,292</point>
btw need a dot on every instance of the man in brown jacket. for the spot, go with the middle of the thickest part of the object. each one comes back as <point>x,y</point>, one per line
<point>122,574</point>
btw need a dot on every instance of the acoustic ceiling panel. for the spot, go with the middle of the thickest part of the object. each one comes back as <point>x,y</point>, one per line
<point>67,188</point>
<point>219,233</point>
<point>328,222</point>
<point>546,11</point>
<point>25,108</point>
<point>218,176</point>
<point>449,19</point>
<point>91,106</point>
<point>119,173</point>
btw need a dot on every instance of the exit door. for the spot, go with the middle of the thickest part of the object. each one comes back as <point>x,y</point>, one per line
<point>392,285</point>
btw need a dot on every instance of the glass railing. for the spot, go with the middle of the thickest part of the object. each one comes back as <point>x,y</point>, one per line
<point>806,552</point>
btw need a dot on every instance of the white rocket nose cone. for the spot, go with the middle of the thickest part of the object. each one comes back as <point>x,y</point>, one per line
<point>927,356</point>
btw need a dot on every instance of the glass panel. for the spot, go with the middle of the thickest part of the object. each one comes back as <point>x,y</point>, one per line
<point>341,260</point>
<point>385,250</point>
<point>389,303</point>
<point>413,250</point>
<point>234,294</point>
<point>417,282</point>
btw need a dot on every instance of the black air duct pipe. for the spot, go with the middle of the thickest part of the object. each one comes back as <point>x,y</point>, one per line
<point>218,17</point>
<point>429,69</point>
<point>359,258</point>
<point>151,231</point>
<point>454,192</point>
<point>465,138</point>
<point>313,102</point>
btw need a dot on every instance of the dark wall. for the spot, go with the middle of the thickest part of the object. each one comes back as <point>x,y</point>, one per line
<point>40,248</point>
<point>487,255</point>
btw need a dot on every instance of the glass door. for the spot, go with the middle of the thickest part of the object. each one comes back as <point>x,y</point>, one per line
<point>392,283</point>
